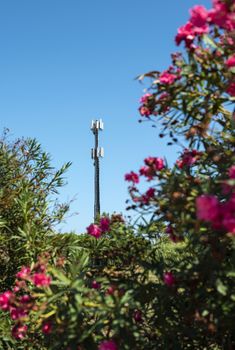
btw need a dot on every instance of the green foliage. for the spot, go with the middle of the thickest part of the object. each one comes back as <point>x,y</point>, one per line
<point>28,183</point>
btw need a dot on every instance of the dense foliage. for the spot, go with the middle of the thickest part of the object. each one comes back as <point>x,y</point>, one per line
<point>165,282</point>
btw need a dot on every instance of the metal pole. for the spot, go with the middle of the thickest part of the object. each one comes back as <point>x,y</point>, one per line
<point>97,152</point>
<point>97,177</point>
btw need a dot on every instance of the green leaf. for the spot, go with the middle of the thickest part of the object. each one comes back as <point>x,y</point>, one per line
<point>208,41</point>
<point>221,288</point>
<point>232,69</point>
<point>61,277</point>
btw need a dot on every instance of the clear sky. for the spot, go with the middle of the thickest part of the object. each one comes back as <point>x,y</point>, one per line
<point>66,62</point>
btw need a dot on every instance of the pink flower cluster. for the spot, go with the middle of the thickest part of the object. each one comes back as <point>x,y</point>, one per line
<point>196,26</point>
<point>19,303</point>
<point>168,77</point>
<point>37,277</point>
<point>145,98</point>
<point>221,15</point>
<point>97,230</point>
<point>188,158</point>
<point>145,108</point>
<point>19,331</point>
<point>149,194</point>
<point>152,166</point>
<point>221,215</point>
<point>149,101</point>
<point>132,177</point>
<point>143,199</point>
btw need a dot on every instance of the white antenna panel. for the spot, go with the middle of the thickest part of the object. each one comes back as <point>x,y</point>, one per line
<point>101,152</point>
<point>101,124</point>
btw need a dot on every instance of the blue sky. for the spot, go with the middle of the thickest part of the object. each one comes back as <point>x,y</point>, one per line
<point>66,62</point>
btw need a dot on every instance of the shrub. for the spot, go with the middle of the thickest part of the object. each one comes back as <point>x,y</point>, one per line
<point>28,184</point>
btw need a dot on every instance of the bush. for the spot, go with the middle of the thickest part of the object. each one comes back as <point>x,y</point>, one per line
<point>28,184</point>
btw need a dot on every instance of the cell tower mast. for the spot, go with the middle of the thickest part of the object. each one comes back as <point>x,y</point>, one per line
<point>96,153</point>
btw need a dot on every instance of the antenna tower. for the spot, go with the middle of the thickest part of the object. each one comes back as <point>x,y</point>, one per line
<point>96,153</point>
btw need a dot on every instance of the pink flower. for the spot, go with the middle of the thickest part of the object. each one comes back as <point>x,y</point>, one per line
<point>17,313</point>
<point>229,41</point>
<point>150,193</point>
<point>41,280</point>
<point>185,33</point>
<point>199,16</point>
<point>144,111</point>
<point>24,299</point>
<point>108,345</point>
<point>19,331</point>
<point>5,300</point>
<point>180,163</point>
<point>198,31</point>
<point>94,230</point>
<point>19,285</point>
<point>226,219</point>
<point>145,199</point>
<point>189,32</point>
<point>169,279</point>
<point>167,78</point>
<point>104,224</point>
<point>231,89</point>
<point>231,61</point>
<point>207,207</point>
<point>138,316</point>
<point>95,285</point>
<point>164,96</point>
<point>188,158</point>
<point>155,162</point>
<point>145,98</point>
<point>23,273</point>
<point>47,328</point>
<point>231,172</point>
<point>41,268</point>
<point>147,172</point>
<point>132,177</point>
<point>111,290</point>
<point>229,207</point>
<point>221,16</point>
<point>229,224</point>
